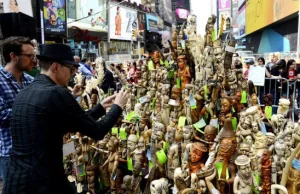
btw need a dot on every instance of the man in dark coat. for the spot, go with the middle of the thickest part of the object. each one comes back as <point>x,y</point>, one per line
<point>42,114</point>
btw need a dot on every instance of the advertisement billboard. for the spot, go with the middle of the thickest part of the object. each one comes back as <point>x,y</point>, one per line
<point>241,22</point>
<point>257,16</point>
<point>122,22</point>
<point>142,26</point>
<point>54,17</point>
<point>164,9</point>
<point>152,23</point>
<point>16,6</point>
<point>91,15</point>
<point>224,4</point>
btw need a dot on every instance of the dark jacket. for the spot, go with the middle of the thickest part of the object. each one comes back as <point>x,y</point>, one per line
<point>42,114</point>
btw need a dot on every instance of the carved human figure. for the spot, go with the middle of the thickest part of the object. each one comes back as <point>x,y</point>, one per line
<point>186,145</point>
<point>296,134</point>
<point>196,164</point>
<point>135,186</point>
<point>176,93</point>
<point>173,154</point>
<point>244,179</point>
<point>279,158</point>
<point>283,108</point>
<point>278,121</point>
<point>260,144</point>
<point>210,133</point>
<point>183,72</point>
<point>131,143</point>
<point>139,152</point>
<point>112,160</point>
<point>159,186</point>
<point>266,172</point>
<point>293,178</point>
<point>225,110</point>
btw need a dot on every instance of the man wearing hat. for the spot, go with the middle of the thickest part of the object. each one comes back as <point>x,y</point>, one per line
<point>42,113</point>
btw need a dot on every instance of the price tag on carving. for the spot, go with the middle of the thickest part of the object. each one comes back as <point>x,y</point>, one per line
<point>230,49</point>
<point>173,102</point>
<point>68,148</point>
<point>143,99</point>
<point>193,102</point>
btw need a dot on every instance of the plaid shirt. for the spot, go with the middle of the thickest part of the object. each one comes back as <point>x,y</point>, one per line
<point>9,88</point>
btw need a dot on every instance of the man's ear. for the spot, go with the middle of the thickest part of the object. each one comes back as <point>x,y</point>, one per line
<point>55,67</point>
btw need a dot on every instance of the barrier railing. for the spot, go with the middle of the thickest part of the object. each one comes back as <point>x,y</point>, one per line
<point>280,88</point>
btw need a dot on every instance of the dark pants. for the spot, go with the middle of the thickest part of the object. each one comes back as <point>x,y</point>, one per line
<point>3,167</point>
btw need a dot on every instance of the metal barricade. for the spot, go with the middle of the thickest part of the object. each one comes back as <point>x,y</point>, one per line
<point>279,88</point>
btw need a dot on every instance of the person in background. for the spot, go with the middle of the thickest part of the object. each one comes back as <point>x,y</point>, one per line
<point>108,81</point>
<point>266,89</point>
<point>248,63</point>
<point>83,69</point>
<point>132,71</point>
<point>273,62</point>
<point>19,55</point>
<point>291,70</point>
<point>42,113</point>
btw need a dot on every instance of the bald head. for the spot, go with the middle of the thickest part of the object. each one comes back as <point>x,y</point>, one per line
<point>77,59</point>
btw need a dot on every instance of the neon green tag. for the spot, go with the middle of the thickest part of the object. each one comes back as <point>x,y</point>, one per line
<point>171,74</point>
<point>153,103</point>
<point>150,164</point>
<point>178,83</point>
<point>233,110</point>
<point>161,62</point>
<point>244,97</point>
<point>167,63</point>
<point>130,116</point>
<point>181,121</point>
<point>200,124</point>
<point>234,123</point>
<point>161,156</point>
<point>114,131</point>
<point>123,134</point>
<point>268,112</point>
<point>219,166</point>
<point>205,91</point>
<point>129,164</point>
<point>166,146</point>
<point>150,65</point>
<point>138,135</point>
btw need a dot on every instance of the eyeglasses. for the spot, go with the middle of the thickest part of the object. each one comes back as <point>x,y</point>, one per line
<point>30,56</point>
<point>71,67</point>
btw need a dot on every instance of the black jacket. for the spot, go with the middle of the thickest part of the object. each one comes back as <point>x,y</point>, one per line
<point>42,113</point>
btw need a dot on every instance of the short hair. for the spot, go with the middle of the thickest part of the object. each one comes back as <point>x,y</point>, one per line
<point>83,60</point>
<point>14,44</point>
<point>45,65</point>
<point>262,59</point>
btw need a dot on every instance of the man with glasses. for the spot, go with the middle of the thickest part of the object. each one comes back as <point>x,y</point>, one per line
<point>45,111</point>
<point>19,56</point>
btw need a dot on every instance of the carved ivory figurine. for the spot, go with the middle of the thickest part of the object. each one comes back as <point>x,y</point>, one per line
<point>112,160</point>
<point>159,186</point>
<point>283,108</point>
<point>183,72</point>
<point>173,154</point>
<point>186,144</point>
<point>260,144</point>
<point>244,178</point>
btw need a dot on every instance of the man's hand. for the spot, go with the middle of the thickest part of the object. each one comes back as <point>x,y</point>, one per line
<point>122,98</point>
<point>107,102</point>
<point>77,90</point>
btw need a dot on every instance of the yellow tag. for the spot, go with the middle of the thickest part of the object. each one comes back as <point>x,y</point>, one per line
<point>234,123</point>
<point>114,131</point>
<point>129,164</point>
<point>161,156</point>
<point>219,166</point>
<point>178,83</point>
<point>181,121</point>
<point>150,65</point>
<point>244,97</point>
<point>123,134</point>
<point>268,111</point>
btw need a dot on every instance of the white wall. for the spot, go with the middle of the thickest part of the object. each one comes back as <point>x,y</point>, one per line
<point>203,9</point>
